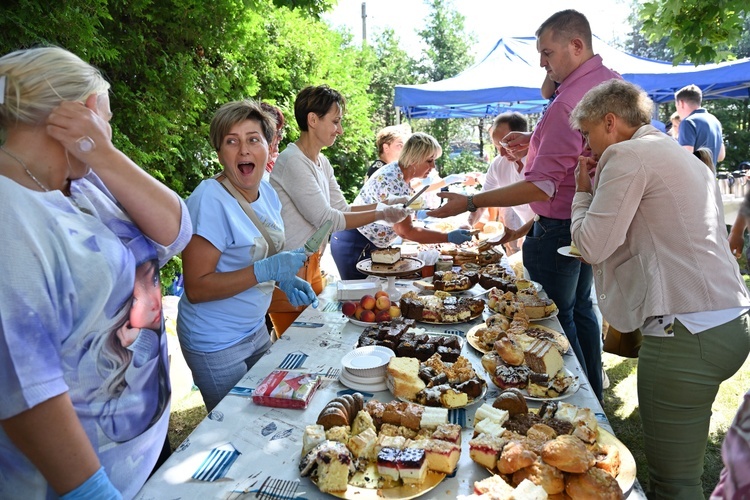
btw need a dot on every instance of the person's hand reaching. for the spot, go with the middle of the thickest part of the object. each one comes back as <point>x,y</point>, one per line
<point>459,236</point>
<point>299,292</point>
<point>280,267</point>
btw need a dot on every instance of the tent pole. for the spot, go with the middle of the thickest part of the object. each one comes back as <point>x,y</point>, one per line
<point>398,115</point>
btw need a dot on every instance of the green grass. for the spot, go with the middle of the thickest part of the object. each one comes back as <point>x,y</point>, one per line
<point>621,407</point>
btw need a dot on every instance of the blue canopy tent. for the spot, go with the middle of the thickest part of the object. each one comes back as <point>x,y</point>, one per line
<point>509,76</point>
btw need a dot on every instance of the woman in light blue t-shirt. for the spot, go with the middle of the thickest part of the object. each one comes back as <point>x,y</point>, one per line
<point>229,266</point>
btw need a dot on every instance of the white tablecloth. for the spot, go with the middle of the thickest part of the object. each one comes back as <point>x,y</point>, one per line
<point>269,440</point>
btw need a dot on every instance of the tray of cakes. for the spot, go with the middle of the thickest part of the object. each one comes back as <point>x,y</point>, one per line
<point>379,450</point>
<point>440,308</point>
<point>469,253</point>
<point>389,262</point>
<point>532,364</point>
<point>560,447</point>
<point>482,337</point>
<point>502,277</point>
<point>435,382</point>
<point>406,340</point>
<point>527,301</point>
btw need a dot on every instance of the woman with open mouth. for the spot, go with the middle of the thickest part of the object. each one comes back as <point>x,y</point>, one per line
<point>234,259</point>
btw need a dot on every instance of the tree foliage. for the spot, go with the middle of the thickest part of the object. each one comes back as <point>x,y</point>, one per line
<point>696,30</point>
<point>390,66</point>
<point>448,53</point>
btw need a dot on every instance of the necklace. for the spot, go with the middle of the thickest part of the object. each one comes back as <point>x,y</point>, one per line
<point>311,158</point>
<point>20,162</point>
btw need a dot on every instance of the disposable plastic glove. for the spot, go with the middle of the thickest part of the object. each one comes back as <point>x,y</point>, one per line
<point>393,214</point>
<point>299,292</point>
<point>454,178</point>
<point>97,486</point>
<point>280,267</point>
<point>459,236</point>
<point>421,214</point>
<point>396,200</point>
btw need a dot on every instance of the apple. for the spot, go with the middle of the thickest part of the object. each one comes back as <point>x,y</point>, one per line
<point>394,311</point>
<point>358,311</point>
<point>367,302</point>
<point>383,302</point>
<point>383,317</point>
<point>381,293</point>
<point>367,316</point>
<point>348,308</point>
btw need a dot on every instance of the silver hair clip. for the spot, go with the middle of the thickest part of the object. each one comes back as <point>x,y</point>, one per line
<point>2,89</point>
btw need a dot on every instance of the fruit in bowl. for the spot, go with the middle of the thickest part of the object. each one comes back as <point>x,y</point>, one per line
<point>372,309</point>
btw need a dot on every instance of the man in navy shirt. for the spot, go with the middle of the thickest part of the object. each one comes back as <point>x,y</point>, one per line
<point>698,128</point>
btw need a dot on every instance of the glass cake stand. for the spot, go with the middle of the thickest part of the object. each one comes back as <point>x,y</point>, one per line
<point>404,267</point>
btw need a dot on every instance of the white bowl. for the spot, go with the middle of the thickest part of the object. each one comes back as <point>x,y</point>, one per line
<point>368,362</point>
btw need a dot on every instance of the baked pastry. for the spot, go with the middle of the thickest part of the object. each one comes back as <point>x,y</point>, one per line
<point>515,456</point>
<point>433,417</point>
<point>362,445</point>
<point>594,484</point>
<point>332,462</point>
<point>569,454</point>
<point>332,417</point>
<point>493,487</point>
<point>607,458</point>
<point>448,432</point>
<point>511,352</point>
<point>511,376</point>
<point>312,437</point>
<point>512,401</point>
<point>542,474</point>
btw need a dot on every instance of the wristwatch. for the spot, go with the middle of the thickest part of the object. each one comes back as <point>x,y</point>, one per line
<point>470,203</point>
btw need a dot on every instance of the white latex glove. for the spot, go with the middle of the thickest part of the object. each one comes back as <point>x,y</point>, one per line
<point>396,200</point>
<point>393,214</point>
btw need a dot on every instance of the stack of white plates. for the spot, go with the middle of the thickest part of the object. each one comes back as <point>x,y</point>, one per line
<point>365,368</point>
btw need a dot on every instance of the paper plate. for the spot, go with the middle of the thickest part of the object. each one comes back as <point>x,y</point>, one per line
<point>346,379</point>
<point>368,361</point>
<point>571,390</point>
<point>565,251</point>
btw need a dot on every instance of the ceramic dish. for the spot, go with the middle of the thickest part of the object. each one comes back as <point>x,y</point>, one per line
<point>569,392</point>
<point>357,322</point>
<point>489,312</point>
<point>389,384</point>
<point>476,342</point>
<point>370,361</point>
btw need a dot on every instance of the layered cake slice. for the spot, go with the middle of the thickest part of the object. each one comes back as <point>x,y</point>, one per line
<point>442,456</point>
<point>487,411</point>
<point>388,463</point>
<point>542,357</point>
<point>484,450</point>
<point>387,256</point>
<point>412,465</point>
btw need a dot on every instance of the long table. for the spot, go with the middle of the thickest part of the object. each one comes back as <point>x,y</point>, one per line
<point>242,450</point>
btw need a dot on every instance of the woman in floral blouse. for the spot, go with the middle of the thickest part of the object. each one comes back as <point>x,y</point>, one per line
<point>416,161</point>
